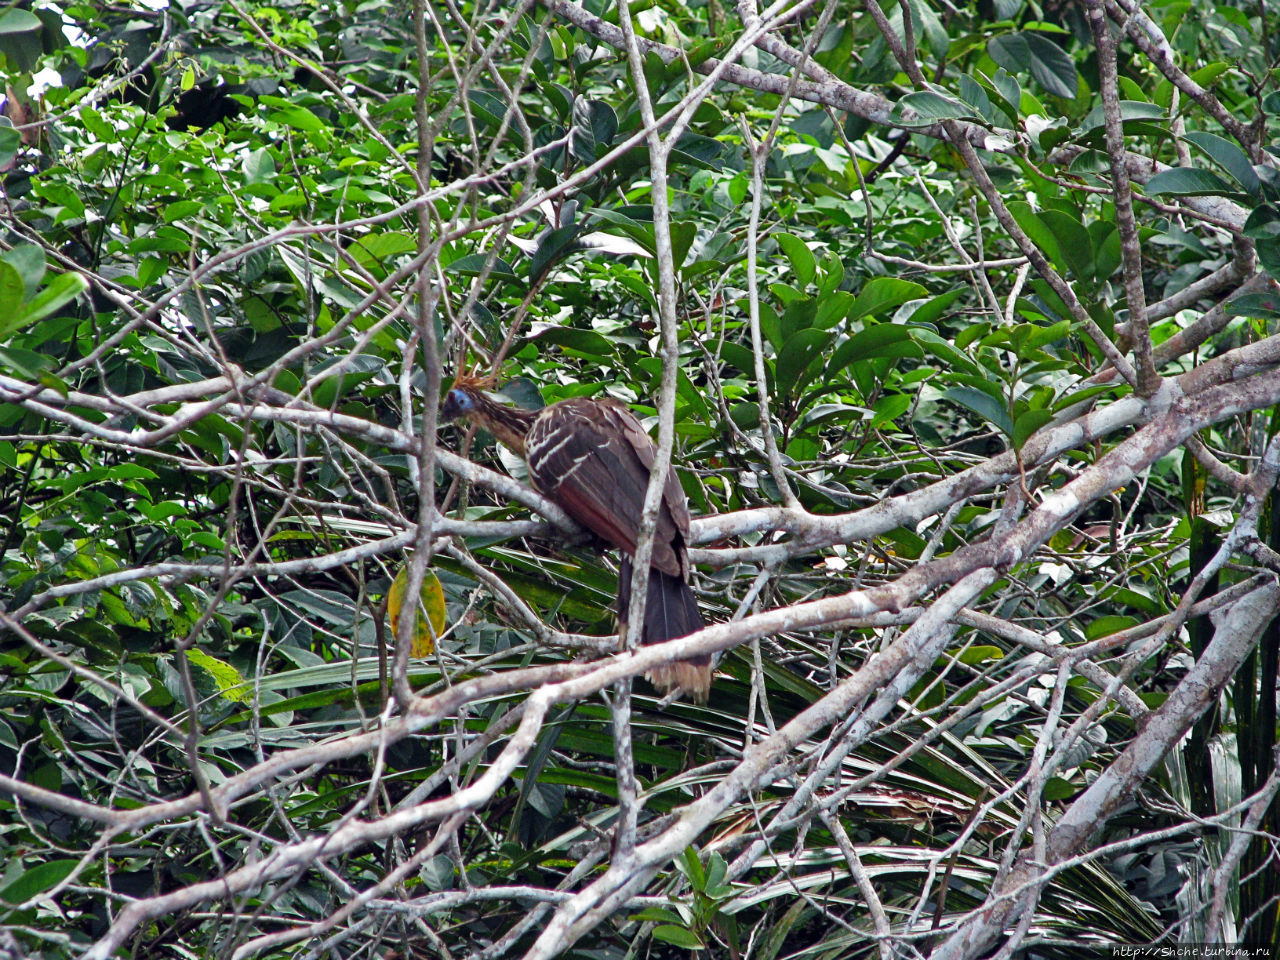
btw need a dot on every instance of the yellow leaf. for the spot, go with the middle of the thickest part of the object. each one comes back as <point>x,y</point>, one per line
<point>231,685</point>
<point>431,606</point>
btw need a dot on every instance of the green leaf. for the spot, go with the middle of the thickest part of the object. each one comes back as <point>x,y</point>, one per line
<point>1229,157</point>
<point>594,126</point>
<point>553,245</point>
<point>656,915</point>
<point>1106,250</point>
<point>10,143</point>
<point>1104,626</point>
<point>883,294</point>
<point>231,685</point>
<point>740,356</point>
<point>803,263</point>
<point>1263,223</point>
<point>678,936</point>
<point>1260,305</point>
<point>12,295</point>
<point>1268,252</point>
<point>472,265</point>
<point>259,166</point>
<point>1130,110</point>
<point>38,879</point>
<point>1029,337</point>
<point>1056,788</point>
<point>1038,231</point>
<point>1031,50</point>
<point>888,408</point>
<point>796,355</point>
<point>690,864</point>
<point>932,310</point>
<point>586,343</point>
<point>929,107</point>
<point>298,117</point>
<point>878,340</point>
<point>1074,245</point>
<point>973,93</point>
<point>28,260</point>
<point>19,21</point>
<point>1027,424</point>
<point>984,405</point>
<point>1188,182</point>
<point>942,348</point>
<point>346,375</point>
<point>976,654</point>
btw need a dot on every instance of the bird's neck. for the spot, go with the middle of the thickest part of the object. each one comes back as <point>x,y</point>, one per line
<point>509,424</point>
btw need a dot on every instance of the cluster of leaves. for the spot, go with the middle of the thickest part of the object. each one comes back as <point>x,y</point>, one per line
<point>286,133</point>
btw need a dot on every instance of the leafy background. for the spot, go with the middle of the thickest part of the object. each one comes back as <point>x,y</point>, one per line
<point>244,243</point>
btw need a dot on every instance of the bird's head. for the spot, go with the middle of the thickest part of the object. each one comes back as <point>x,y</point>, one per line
<point>464,397</point>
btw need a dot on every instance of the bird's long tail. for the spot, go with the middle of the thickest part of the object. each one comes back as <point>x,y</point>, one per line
<point>670,611</point>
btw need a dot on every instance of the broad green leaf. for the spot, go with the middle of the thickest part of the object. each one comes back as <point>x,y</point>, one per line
<point>595,124</point>
<point>796,355</point>
<point>12,295</point>
<point>1129,110</point>
<point>878,340</point>
<point>553,246</point>
<point>803,263</point>
<point>299,118</point>
<point>929,107</point>
<point>10,144</point>
<point>231,684</point>
<point>473,264</point>
<point>586,343</point>
<point>1035,228</point>
<point>678,936</point>
<point>1106,625</point>
<point>1188,182</point>
<point>1263,223</point>
<point>972,93</point>
<point>985,406</point>
<point>19,21</point>
<point>942,348</point>
<point>1229,157</point>
<point>1106,250</point>
<point>1268,252</point>
<point>1032,50</point>
<point>259,166</point>
<point>1254,305</point>
<point>1008,93</point>
<point>883,294</point>
<point>1027,424</point>
<point>38,879</point>
<point>1028,337</point>
<point>1074,244</point>
<point>932,310</point>
<point>347,374</point>
<point>889,408</point>
<point>977,654</point>
<point>28,260</point>
<point>1056,789</point>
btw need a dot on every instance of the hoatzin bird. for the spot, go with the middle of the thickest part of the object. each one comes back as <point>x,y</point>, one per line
<point>592,458</point>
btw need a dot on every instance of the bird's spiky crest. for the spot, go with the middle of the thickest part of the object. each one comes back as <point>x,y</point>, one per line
<point>480,382</point>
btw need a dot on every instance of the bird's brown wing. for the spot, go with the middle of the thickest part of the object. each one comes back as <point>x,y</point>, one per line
<point>593,459</point>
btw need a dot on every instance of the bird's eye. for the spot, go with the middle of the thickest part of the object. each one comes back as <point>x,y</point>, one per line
<point>457,403</point>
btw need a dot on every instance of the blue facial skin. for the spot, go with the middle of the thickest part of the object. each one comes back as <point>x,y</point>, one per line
<point>456,404</point>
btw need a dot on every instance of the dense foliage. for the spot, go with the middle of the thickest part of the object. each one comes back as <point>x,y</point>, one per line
<point>959,323</point>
